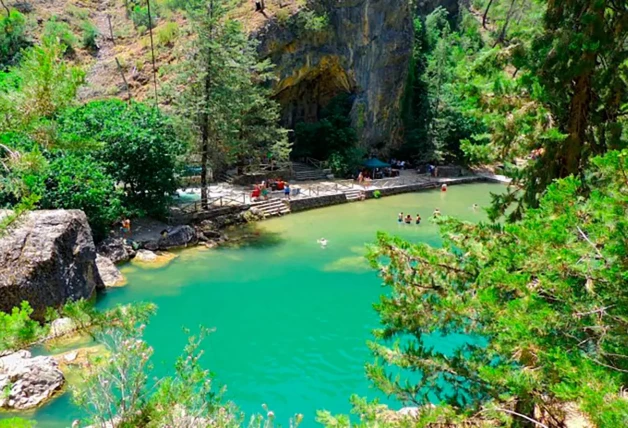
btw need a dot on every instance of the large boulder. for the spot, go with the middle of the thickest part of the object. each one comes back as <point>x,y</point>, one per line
<point>116,250</point>
<point>27,382</point>
<point>108,271</point>
<point>47,258</point>
<point>177,237</point>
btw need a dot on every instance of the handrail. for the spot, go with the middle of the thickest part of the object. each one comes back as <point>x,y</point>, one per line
<point>216,202</point>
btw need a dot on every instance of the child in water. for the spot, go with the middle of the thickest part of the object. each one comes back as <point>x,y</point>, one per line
<point>408,219</point>
<point>400,218</point>
<point>436,212</point>
<point>418,219</point>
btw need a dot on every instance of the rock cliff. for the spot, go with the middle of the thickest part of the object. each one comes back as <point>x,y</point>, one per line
<point>364,50</point>
<point>47,258</point>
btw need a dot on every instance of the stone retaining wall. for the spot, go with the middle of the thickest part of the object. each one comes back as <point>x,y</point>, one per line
<point>317,202</point>
<point>328,200</point>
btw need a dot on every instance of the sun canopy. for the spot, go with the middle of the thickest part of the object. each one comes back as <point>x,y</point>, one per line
<point>376,163</point>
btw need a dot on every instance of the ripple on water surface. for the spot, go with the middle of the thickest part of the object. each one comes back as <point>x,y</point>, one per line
<point>292,319</point>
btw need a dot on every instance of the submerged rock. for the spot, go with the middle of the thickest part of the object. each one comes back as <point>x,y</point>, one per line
<point>109,273</point>
<point>47,258</point>
<point>145,256</point>
<point>27,381</point>
<point>116,249</point>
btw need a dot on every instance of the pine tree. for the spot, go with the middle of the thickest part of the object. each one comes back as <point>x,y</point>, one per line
<point>221,94</point>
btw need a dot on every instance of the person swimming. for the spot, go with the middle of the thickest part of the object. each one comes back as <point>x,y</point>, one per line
<point>418,219</point>
<point>436,212</point>
<point>475,207</point>
<point>400,218</point>
<point>443,188</point>
<point>408,219</point>
<point>322,242</point>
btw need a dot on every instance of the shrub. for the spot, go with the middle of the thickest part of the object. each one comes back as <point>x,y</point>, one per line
<point>167,34</point>
<point>80,182</point>
<point>141,149</point>
<point>90,35</point>
<point>139,16</point>
<point>60,32</point>
<point>12,38</point>
<point>18,328</point>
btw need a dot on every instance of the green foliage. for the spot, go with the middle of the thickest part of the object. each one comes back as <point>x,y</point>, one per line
<point>541,301</point>
<point>12,38</point>
<point>224,105</point>
<point>167,34</point>
<point>90,35</point>
<point>118,384</point>
<point>59,32</point>
<point>140,149</point>
<point>332,134</point>
<point>140,18</point>
<point>79,182</point>
<point>42,85</point>
<point>477,153</point>
<point>18,328</point>
<point>16,423</point>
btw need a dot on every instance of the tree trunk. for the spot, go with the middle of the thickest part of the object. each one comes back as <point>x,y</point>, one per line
<point>526,408</point>
<point>205,129</point>
<point>502,33</point>
<point>5,8</point>
<point>486,13</point>
<point>152,49</point>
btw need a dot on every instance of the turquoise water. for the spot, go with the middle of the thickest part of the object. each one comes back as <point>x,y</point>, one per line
<point>291,318</point>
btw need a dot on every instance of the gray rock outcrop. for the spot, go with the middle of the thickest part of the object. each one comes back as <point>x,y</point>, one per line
<point>26,381</point>
<point>47,258</point>
<point>364,51</point>
<point>116,250</point>
<point>177,237</point>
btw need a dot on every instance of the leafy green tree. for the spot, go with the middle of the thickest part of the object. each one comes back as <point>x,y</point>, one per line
<point>12,38</point>
<point>59,32</point>
<point>42,85</point>
<point>79,182</point>
<point>542,302</point>
<point>219,93</point>
<point>139,148</point>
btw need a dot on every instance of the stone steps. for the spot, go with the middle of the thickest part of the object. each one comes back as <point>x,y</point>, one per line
<point>304,172</point>
<point>353,195</point>
<point>272,207</point>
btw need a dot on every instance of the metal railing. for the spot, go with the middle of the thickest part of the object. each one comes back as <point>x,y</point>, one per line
<point>213,203</point>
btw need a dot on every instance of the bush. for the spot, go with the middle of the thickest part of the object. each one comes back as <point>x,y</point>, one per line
<point>167,34</point>
<point>79,182</point>
<point>139,16</point>
<point>60,32</point>
<point>12,38</point>
<point>90,35</point>
<point>477,154</point>
<point>140,149</point>
<point>18,329</point>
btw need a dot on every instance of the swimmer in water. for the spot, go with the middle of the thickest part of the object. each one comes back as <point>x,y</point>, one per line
<point>418,219</point>
<point>443,188</point>
<point>408,219</point>
<point>475,207</point>
<point>436,212</point>
<point>322,242</point>
<point>400,218</point>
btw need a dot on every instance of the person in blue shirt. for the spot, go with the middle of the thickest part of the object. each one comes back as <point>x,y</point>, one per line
<point>286,190</point>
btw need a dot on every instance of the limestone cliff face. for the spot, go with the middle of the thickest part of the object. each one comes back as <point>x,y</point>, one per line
<point>363,51</point>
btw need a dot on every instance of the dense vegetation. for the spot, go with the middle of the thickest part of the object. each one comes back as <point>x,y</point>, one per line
<point>538,86</point>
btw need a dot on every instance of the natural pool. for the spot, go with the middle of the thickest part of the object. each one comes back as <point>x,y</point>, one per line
<point>291,318</point>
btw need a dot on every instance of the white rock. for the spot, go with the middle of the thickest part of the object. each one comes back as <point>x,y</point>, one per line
<point>61,326</point>
<point>28,381</point>
<point>70,356</point>
<point>145,256</point>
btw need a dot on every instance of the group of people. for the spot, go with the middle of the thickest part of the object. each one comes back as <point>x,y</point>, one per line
<point>408,218</point>
<point>399,164</point>
<point>261,191</point>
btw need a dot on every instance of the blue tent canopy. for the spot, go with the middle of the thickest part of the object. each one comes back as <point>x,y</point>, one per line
<point>376,163</point>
